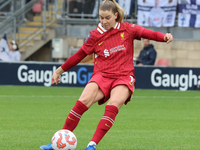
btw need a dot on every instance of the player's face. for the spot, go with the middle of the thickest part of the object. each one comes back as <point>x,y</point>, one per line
<point>107,19</point>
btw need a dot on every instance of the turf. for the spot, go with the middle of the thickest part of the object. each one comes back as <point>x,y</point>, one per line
<point>153,120</point>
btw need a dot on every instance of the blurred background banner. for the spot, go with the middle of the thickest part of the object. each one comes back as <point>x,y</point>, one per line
<point>152,77</point>
<point>157,13</point>
<point>127,6</point>
<point>189,13</point>
<point>40,73</point>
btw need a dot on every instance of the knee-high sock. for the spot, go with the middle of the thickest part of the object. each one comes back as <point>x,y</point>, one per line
<point>105,123</point>
<point>74,116</point>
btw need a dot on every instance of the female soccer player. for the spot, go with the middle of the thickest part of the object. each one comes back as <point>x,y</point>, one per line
<point>113,76</point>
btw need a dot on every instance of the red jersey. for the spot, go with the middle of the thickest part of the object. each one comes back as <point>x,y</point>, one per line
<point>113,49</point>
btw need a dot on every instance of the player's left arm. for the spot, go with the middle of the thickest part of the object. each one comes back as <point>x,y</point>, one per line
<point>156,36</point>
<point>139,32</point>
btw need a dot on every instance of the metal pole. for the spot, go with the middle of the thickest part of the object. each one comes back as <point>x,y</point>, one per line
<point>15,28</point>
<point>98,9</point>
<point>22,4</point>
<point>67,7</point>
<point>136,7</point>
<point>64,7</point>
<point>168,30</point>
<point>44,20</point>
<point>56,8</point>
<point>65,28</point>
<point>13,7</point>
<point>4,4</point>
<point>51,51</point>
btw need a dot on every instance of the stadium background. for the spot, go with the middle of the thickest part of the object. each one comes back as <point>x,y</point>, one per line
<point>32,113</point>
<point>52,31</point>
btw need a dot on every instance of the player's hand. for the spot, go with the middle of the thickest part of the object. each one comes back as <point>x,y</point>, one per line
<point>168,37</point>
<point>55,79</point>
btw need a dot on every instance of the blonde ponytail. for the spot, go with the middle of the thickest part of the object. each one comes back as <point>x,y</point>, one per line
<point>115,7</point>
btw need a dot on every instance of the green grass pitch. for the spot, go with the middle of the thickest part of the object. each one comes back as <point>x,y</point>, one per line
<point>153,120</point>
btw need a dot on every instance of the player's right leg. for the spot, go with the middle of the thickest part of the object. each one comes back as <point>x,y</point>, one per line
<point>91,94</point>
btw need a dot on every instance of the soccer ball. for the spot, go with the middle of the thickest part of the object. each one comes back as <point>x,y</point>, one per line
<point>64,140</point>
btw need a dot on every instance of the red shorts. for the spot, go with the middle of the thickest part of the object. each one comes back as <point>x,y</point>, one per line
<point>107,84</point>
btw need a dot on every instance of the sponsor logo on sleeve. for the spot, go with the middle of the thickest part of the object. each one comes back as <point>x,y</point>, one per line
<point>87,38</point>
<point>133,25</point>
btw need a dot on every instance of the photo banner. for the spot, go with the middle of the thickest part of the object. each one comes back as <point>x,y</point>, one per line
<point>127,6</point>
<point>4,49</point>
<point>189,13</point>
<point>157,13</point>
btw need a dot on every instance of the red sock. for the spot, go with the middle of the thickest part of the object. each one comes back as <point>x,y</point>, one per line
<point>74,116</point>
<point>105,123</point>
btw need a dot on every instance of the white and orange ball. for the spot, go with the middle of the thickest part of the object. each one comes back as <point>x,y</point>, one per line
<point>64,140</point>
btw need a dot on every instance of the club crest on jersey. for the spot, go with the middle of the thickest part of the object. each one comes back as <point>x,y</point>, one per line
<point>89,35</point>
<point>106,53</point>
<point>122,36</point>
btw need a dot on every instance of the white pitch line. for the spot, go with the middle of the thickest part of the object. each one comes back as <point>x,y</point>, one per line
<point>166,97</point>
<point>133,97</point>
<point>49,96</point>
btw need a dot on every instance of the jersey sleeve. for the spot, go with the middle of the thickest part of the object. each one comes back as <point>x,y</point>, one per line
<point>89,44</point>
<point>74,60</point>
<point>135,30</point>
<point>139,32</point>
<point>153,35</point>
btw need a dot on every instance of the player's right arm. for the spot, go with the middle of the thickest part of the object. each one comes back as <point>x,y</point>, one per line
<point>86,49</point>
<point>71,62</point>
<point>56,76</point>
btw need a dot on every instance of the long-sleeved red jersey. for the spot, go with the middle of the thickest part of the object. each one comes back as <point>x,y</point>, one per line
<point>113,49</point>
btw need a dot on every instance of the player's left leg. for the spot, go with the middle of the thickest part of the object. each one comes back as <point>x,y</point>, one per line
<point>119,94</point>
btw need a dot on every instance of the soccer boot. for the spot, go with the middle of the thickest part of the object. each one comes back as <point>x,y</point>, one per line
<point>90,147</point>
<point>46,147</point>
